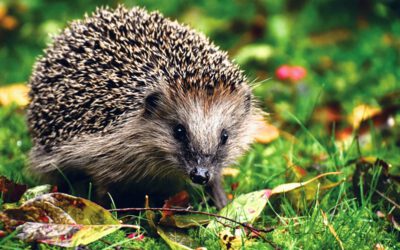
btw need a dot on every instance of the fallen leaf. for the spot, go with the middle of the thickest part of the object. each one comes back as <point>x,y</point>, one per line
<point>60,219</point>
<point>233,241</point>
<point>16,93</point>
<point>35,192</point>
<point>292,186</point>
<point>180,199</point>
<point>361,113</point>
<point>185,221</point>
<point>233,172</point>
<point>245,208</point>
<point>176,239</point>
<point>62,234</point>
<point>266,133</point>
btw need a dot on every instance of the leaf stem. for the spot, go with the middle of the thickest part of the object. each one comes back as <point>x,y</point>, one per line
<point>184,210</point>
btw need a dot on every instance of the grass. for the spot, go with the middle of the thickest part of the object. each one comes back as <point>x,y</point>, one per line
<point>351,58</point>
<point>297,216</point>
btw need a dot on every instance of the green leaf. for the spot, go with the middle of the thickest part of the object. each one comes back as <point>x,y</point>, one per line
<point>256,52</point>
<point>177,239</point>
<point>34,192</point>
<point>185,221</point>
<point>245,209</point>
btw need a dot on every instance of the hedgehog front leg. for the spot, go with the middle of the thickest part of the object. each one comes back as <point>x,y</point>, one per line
<point>217,192</point>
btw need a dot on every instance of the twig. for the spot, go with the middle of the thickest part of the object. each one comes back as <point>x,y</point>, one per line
<point>183,210</point>
<point>388,199</point>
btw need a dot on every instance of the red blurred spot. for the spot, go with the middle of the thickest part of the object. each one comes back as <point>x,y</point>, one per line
<point>293,73</point>
<point>267,194</point>
<point>283,72</point>
<point>135,236</point>
<point>344,133</point>
<point>297,73</point>
<point>299,171</point>
<point>234,186</point>
<point>131,236</point>
<point>250,210</point>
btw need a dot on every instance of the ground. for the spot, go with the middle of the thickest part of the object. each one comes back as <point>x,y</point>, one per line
<point>319,68</point>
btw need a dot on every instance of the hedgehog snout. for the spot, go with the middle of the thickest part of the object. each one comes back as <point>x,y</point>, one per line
<point>200,175</point>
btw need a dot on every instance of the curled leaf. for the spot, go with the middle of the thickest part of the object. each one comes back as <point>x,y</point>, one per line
<point>61,220</point>
<point>292,186</point>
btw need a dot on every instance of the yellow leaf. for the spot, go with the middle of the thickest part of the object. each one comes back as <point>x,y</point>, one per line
<point>231,241</point>
<point>230,172</point>
<point>17,93</point>
<point>266,133</point>
<point>361,113</point>
<point>292,186</point>
<point>3,10</point>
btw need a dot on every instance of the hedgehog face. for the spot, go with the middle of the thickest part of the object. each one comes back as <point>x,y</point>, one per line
<point>204,133</point>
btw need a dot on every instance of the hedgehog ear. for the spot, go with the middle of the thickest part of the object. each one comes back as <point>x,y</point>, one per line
<point>151,103</point>
<point>247,102</point>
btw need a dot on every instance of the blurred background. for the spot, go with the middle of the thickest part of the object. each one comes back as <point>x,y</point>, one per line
<point>315,63</point>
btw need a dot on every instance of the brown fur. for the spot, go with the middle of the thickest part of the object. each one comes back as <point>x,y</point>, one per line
<point>92,118</point>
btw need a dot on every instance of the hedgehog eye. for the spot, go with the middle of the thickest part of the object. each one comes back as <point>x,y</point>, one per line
<point>224,136</point>
<point>180,133</point>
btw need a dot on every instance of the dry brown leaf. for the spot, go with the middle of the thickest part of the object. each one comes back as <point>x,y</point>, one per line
<point>16,93</point>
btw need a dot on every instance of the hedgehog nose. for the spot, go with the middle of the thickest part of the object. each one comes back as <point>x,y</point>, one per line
<point>200,176</point>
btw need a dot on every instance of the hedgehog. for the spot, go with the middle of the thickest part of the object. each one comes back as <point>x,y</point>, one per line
<point>136,103</point>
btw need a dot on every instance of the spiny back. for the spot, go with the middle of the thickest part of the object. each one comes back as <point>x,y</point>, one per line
<point>98,71</point>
